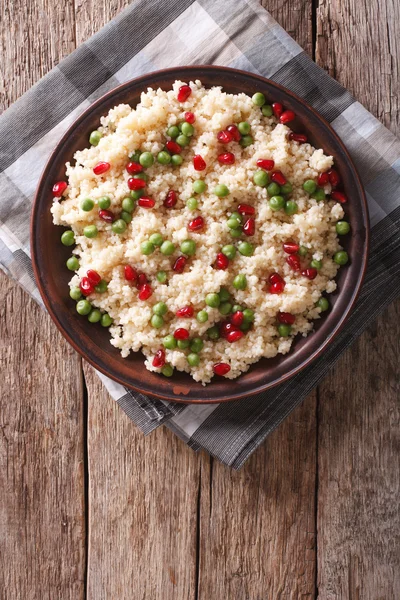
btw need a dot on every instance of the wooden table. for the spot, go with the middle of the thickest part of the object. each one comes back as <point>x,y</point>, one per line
<point>91,508</point>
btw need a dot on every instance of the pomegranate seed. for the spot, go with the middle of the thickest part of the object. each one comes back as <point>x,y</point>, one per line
<point>190,117</point>
<point>277,288</point>
<point>293,260</point>
<point>249,227</point>
<point>226,328</point>
<point>145,291</point>
<point>338,196</point>
<point>136,184</point>
<point>276,278</point>
<point>86,286</point>
<point>277,108</point>
<point>227,158</point>
<point>237,318</point>
<point>106,215</point>
<point>184,93</point>
<point>323,179</point>
<point>234,131</point>
<point>334,177</point>
<point>221,262</point>
<point>142,279</point>
<point>286,318</point>
<point>310,273</point>
<point>278,177</point>
<point>146,202</point>
<point>159,359</point>
<point>266,164</point>
<point>173,147</point>
<point>234,336</point>
<point>133,167</point>
<point>298,137</point>
<point>179,264</point>
<point>186,312</point>
<point>221,368</point>
<point>246,209</point>
<point>181,333</point>
<point>59,188</point>
<point>171,199</point>
<point>291,247</point>
<point>224,137</point>
<point>287,116</point>
<point>199,163</point>
<point>93,276</point>
<point>130,273</point>
<point>196,224</point>
<point>101,167</point>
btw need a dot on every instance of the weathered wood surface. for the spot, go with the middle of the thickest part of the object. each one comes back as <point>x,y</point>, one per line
<point>163,522</point>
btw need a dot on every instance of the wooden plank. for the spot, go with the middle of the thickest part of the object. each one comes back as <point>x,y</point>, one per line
<point>358,451</point>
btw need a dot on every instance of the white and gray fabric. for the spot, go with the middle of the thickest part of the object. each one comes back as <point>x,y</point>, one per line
<point>148,36</point>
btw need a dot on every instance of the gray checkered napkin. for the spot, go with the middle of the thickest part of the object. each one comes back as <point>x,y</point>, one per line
<point>236,33</point>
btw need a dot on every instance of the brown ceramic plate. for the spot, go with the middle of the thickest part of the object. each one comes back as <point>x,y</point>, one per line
<point>92,342</point>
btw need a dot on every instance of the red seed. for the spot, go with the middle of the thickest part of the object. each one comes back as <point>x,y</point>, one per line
<point>221,368</point>
<point>181,333</point>
<point>294,262</point>
<point>136,184</point>
<point>173,147</point>
<point>145,291</point>
<point>190,117</point>
<point>237,318</point>
<point>291,247</point>
<point>199,163</point>
<point>277,288</point>
<point>266,164</point>
<point>225,328</point>
<point>196,224</point>
<point>184,93</point>
<point>130,273</point>
<point>227,158</point>
<point>133,167</point>
<point>234,336</point>
<point>334,177</point>
<point>101,167</point>
<point>310,273</point>
<point>106,215</point>
<point>142,279</point>
<point>59,188</point>
<point>159,359</point>
<point>171,199</point>
<point>287,116</point>
<point>338,196</point>
<point>86,286</point>
<point>278,177</point>
<point>276,278</point>
<point>246,209</point>
<point>286,318</point>
<point>323,179</point>
<point>301,138</point>
<point>93,276</point>
<point>179,264</point>
<point>221,262</point>
<point>249,226</point>
<point>277,108</point>
<point>234,131</point>
<point>146,202</point>
<point>224,137</point>
<point>185,312</point>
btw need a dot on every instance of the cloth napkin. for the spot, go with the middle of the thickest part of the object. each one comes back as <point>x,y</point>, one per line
<point>237,33</point>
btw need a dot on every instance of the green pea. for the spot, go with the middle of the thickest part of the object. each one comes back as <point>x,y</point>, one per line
<point>176,160</point>
<point>224,295</point>
<point>87,204</point>
<point>244,127</point>
<point>83,307</point>
<point>188,247</point>
<point>167,248</point>
<point>341,258</point>
<point>106,320</point>
<point>146,159</point>
<point>221,190</point>
<point>287,188</point>
<point>236,233</point>
<point>156,321</point>
<point>104,202</point>
<point>199,186</point>
<point>258,99</point>
<point>160,309</point>
<point>233,223</point>
<point>319,195</point>
<point>309,186</point>
<point>136,194</point>
<point>126,216</point>
<point>156,239</point>
<point>95,137</point>
<point>277,202</point>
<point>140,176</point>
<point>248,315</point>
<point>342,228</point>
<point>101,287</point>
<point>183,344</point>
<point>213,300</point>
<point>182,140</point>
<point>169,342</point>
<point>237,216</point>
<point>167,371</point>
<point>135,156</point>
<point>267,110</point>
<point>196,345</point>
<point>240,282</point>
<point>68,238</point>
<point>187,129</point>
<point>193,359</point>
<point>161,276</point>
<point>147,248</point>
<point>119,226</point>
<point>273,189</point>
<point>163,157</point>
<point>316,264</point>
<point>303,251</point>
<point>291,207</point>
<point>225,308</point>
<point>213,333</point>
<point>173,131</point>
<point>284,330</point>
<point>261,178</point>
<point>90,231</point>
<point>94,316</point>
<point>192,203</point>
<point>72,263</point>
<point>236,308</point>
<point>75,293</point>
<point>323,304</point>
<point>229,250</point>
<point>246,140</point>
<point>128,204</point>
<point>202,316</point>
<point>246,249</point>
